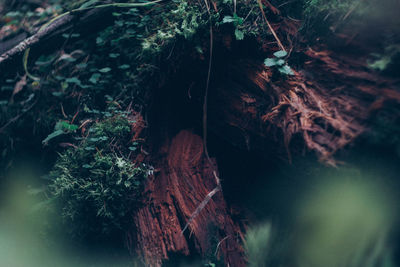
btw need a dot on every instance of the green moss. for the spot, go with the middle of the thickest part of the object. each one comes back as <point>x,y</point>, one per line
<point>95,184</point>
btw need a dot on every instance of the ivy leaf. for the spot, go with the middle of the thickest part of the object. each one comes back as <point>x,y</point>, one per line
<point>105,70</point>
<point>52,135</point>
<point>228,19</point>
<point>280,53</point>
<point>94,78</point>
<point>238,20</point>
<point>239,34</point>
<point>57,94</point>
<point>270,62</point>
<point>88,4</point>
<point>76,81</point>
<point>113,55</point>
<point>124,67</point>
<point>63,125</point>
<point>286,70</point>
<point>99,40</point>
<point>280,62</point>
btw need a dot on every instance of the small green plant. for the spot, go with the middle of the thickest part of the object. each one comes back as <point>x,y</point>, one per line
<point>388,58</point>
<point>279,62</point>
<point>62,127</point>
<point>95,184</point>
<point>237,22</point>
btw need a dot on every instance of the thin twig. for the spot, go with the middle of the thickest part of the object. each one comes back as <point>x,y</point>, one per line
<point>204,202</point>
<point>205,102</point>
<point>219,243</point>
<point>18,116</point>
<point>270,27</point>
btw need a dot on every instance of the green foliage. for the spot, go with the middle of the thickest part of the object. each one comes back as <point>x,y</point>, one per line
<point>237,22</point>
<point>387,59</point>
<point>61,127</point>
<point>95,184</point>
<point>258,245</point>
<point>279,63</point>
<point>327,7</point>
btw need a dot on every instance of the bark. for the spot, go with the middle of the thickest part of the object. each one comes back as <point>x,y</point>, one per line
<point>324,107</point>
<point>184,178</point>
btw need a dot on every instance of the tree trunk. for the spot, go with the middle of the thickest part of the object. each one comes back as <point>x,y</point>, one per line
<point>183,180</point>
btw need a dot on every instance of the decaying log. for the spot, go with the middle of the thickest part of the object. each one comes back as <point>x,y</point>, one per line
<point>185,177</point>
<point>327,104</point>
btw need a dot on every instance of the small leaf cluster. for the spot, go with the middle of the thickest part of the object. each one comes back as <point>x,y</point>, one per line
<point>279,62</point>
<point>237,22</point>
<point>62,127</point>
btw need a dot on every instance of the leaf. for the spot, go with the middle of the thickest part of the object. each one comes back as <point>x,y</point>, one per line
<point>286,70</point>
<point>132,148</point>
<point>113,55</point>
<point>380,64</point>
<point>280,53</point>
<point>280,62</point>
<point>238,20</point>
<point>53,135</point>
<point>94,78</point>
<point>63,125</point>
<point>73,80</point>
<point>57,94</point>
<point>73,35</point>
<point>88,4</point>
<point>124,67</point>
<point>81,65</point>
<point>66,57</point>
<point>105,70</point>
<point>228,19</point>
<point>127,184</point>
<point>239,34</point>
<point>76,81</point>
<point>99,40</point>
<point>270,62</point>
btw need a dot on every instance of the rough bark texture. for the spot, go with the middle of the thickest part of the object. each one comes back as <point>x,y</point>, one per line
<point>184,179</point>
<point>327,104</point>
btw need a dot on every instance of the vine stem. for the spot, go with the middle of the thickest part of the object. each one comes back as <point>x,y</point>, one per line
<point>270,27</point>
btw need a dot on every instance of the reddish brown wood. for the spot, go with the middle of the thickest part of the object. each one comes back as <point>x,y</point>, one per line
<point>184,179</point>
